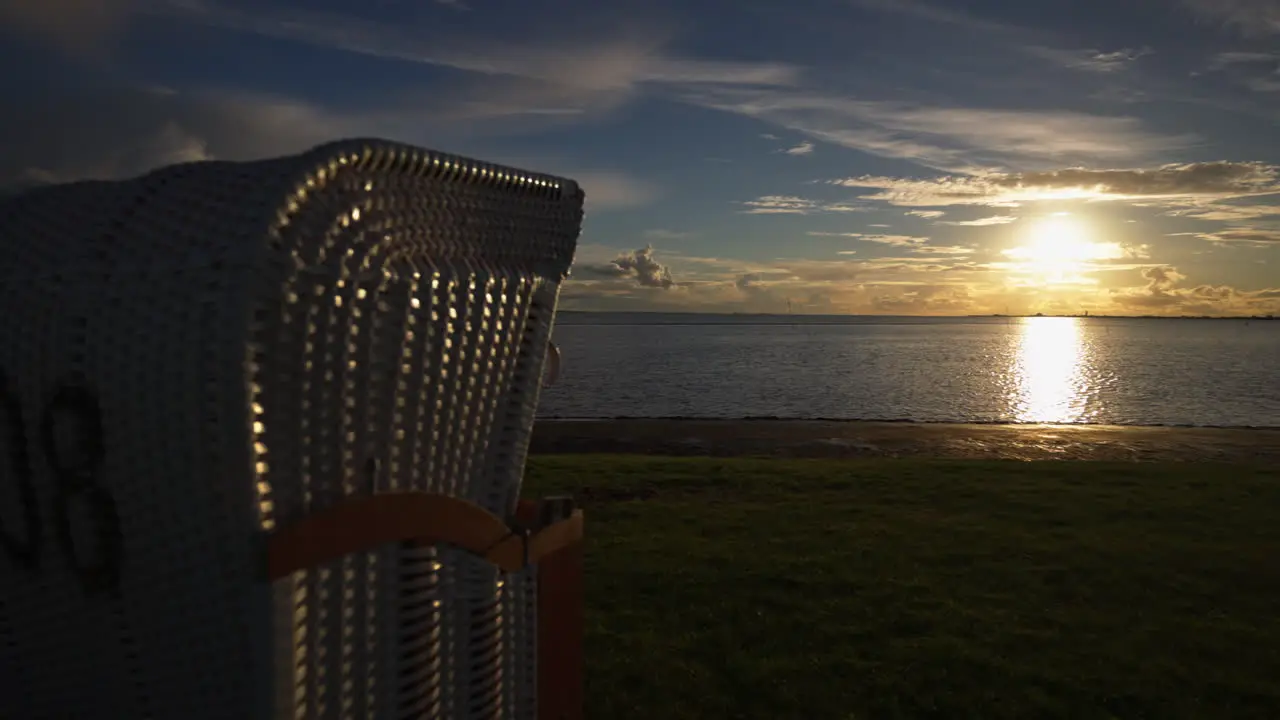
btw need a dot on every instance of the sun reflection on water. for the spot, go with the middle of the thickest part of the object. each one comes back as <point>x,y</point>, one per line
<point>1051,384</point>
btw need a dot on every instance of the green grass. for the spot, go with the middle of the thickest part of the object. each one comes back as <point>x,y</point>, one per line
<point>744,588</point>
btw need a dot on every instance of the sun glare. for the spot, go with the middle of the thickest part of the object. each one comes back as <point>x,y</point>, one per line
<point>1059,248</point>
<point>1049,370</point>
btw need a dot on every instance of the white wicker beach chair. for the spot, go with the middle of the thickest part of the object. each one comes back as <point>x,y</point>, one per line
<point>262,427</point>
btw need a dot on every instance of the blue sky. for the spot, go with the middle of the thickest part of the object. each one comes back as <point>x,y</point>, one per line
<point>849,156</point>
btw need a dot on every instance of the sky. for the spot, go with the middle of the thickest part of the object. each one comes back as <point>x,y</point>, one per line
<point>921,157</point>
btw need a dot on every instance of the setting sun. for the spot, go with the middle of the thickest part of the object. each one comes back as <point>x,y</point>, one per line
<point>1058,248</point>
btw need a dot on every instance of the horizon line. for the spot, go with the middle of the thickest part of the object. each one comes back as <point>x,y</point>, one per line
<point>970,316</point>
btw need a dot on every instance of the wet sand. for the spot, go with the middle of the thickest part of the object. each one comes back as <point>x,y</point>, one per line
<point>854,439</point>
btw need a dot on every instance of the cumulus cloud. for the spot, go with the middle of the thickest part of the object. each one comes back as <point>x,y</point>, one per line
<point>923,299</point>
<point>640,266</point>
<point>749,282</point>
<point>946,283</point>
<point>1162,279</point>
<point>1162,294</point>
<point>715,284</point>
<point>1198,181</point>
<point>937,284</point>
<point>793,205</point>
<point>1158,291</point>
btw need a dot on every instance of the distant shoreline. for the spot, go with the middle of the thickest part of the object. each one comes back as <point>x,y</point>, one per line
<point>837,316</point>
<point>872,439</point>
<point>888,421</point>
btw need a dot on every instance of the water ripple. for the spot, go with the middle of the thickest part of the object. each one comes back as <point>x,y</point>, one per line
<point>1062,370</point>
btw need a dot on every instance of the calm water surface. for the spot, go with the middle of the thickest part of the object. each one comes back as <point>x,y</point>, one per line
<point>1061,370</point>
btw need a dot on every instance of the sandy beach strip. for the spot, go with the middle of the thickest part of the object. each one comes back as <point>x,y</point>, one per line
<point>858,439</point>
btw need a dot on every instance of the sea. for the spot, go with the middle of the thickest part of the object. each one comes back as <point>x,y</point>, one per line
<point>1127,371</point>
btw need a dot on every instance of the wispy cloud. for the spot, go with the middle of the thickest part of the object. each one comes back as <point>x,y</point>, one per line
<point>907,241</point>
<point>1248,17</point>
<point>45,137</point>
<point>926,214</point>
<point>547,81</point>
<point>663,234</point>
<point>538,82</point>
<point>1267,84</point>
<point>1225,60</point>
<point>608,65</point>
<point>1011,35</point>
<point>1096,61</point>
<point>607,190</point>
<point>944,250</point>
<point>1224,212</point>
<point>793,205</point>
<point>1256,71</point>
<point>76,26</point>
<point>957,139</point>
<point>1244,236</point>
<point>981,222</point>
<point>936,14</point>
<point>1185,181</point>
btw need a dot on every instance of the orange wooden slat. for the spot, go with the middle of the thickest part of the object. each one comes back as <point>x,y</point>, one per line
<point>365,523</point>
<point>561,628</point>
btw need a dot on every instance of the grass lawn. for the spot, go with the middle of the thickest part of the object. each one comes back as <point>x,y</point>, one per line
<point>746,588</point>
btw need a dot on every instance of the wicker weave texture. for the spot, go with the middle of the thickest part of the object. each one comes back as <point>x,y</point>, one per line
<point>193,357</point>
